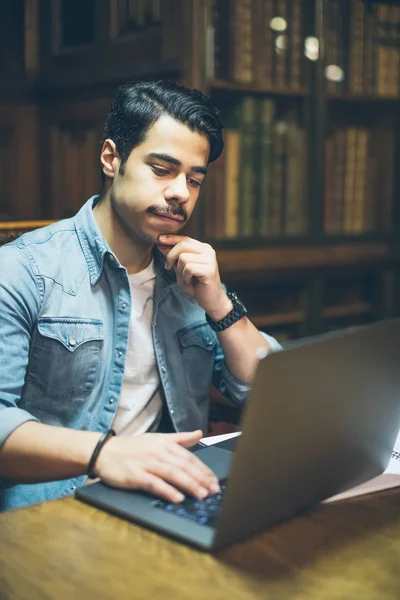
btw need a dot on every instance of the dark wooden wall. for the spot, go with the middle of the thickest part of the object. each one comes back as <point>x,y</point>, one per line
<point>61,61</point>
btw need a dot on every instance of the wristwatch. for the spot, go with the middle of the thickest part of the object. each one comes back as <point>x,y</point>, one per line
<point>238,312</point>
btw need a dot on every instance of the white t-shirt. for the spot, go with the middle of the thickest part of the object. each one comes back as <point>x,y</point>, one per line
<point>140,401</point>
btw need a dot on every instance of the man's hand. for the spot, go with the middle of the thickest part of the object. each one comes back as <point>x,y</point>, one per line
<point>157,463</point>
<point>196,268</point>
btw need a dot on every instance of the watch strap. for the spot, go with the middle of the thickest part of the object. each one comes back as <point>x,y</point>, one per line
<point>238,312</point>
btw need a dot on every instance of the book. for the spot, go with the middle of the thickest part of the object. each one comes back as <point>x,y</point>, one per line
<point>267,117</point>
<point>389,478</point>
<point>232,159</point>
<point>248,127</point>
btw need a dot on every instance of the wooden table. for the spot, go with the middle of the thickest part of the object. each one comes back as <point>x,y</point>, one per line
<point>67,549</point>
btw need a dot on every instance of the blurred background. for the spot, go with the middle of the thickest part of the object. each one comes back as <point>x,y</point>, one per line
<point>303,206</point>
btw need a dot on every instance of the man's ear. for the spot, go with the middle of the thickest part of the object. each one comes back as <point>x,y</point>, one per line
<point>110,159</point>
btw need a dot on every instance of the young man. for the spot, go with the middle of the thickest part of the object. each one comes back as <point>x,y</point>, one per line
<point>113,319</point>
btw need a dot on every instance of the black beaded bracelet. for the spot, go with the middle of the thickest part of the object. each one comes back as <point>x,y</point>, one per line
<point>106,436</point>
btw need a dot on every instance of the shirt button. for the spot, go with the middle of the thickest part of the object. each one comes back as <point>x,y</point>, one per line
<point>164,369</point>
<point>72,488</point>
<point>72,341</point>
<point>124,305</point>
<point>172,412</point>
<point>111,401</point>
<point>120,353</point>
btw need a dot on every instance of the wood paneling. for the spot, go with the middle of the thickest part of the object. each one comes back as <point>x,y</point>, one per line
<point>18,162</point>
<point>7,158</point>
<point>75,168</point>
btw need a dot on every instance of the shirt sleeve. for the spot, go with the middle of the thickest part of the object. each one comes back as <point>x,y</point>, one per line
<point>19,305</point>
<point>227,383</point>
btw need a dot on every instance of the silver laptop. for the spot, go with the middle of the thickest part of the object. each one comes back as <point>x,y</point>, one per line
<point>322,417</point>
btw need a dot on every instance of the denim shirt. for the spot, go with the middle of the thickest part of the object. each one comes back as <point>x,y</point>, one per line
<point>64,320</point>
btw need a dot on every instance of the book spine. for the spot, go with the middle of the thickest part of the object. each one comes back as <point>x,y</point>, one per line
<point>241,47</point>
<point>360,190</point>
<point>215,205</point>
<point>276,205</point>
<point>329,214</point>
<point>232,149</point>
<point>280,48</point>
<point>267,117</point>
<point>338,179</point>
<point>248,154</point>
<point>296,57</point>
<point>349,179</point>
<point>294,218</point>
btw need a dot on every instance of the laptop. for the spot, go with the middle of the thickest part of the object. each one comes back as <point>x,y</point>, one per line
<point>321,417</point>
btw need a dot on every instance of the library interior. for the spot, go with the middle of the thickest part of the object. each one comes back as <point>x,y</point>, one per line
<point>302,207</point>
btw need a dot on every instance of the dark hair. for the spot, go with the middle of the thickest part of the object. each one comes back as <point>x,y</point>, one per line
<point>138,105</point>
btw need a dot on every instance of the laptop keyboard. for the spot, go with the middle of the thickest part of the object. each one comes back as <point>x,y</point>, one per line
<point>203,512</point>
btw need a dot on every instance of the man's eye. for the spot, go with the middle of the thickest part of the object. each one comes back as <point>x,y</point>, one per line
<point>160,171</point>
<point>194,183</point>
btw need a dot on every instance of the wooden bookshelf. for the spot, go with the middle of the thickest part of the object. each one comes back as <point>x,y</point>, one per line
<point>363,98</point>
<point>10,230</point>
<point>273,320</point>
<point>349,310</point>
<point>23,225</point>
<point>231,86</point>
<point>279,113</point>
<point>302,257</point>
<point>360,242</point>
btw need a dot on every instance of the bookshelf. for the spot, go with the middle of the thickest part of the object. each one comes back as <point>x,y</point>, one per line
<point>332,131</point>
<point>302,208</point>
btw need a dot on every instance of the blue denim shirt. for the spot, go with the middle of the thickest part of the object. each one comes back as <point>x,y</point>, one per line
<point>64,319</point>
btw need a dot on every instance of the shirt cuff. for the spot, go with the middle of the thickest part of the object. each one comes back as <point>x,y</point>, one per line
<point>237,390</point>
<point>273,344</point>
<point>11,418</point>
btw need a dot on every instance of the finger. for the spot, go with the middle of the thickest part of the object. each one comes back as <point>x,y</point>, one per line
<point>187,258</point>
<point>201,272</point>
<point>185,438</point>
<point>150,482</point>
<point>179,478</point>
<point>193,466</point>
<point>192,246</point>
<point>172,240</point>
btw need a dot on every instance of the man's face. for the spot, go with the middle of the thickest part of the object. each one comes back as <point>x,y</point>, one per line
<point>157,188</point>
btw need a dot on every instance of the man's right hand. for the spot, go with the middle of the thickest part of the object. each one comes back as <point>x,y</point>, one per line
<point>157,463</point>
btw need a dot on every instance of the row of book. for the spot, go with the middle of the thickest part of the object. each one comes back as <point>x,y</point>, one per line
<point>138,13</point>
<point>243,47</point>
<point>364,40</point>
<point>257,186</point>
<point>264,42</point>
<point>359,175</point>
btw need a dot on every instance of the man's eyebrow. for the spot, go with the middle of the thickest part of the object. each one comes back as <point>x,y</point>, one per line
<point>176,162</point>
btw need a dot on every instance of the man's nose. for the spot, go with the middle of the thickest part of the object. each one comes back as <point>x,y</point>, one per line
<point>178,189</point>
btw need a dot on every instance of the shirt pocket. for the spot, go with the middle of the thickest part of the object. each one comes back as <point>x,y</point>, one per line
<point>197,345</point>
<point>64,357</point>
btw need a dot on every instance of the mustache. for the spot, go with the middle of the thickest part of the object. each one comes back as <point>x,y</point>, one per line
<point>169,210</point>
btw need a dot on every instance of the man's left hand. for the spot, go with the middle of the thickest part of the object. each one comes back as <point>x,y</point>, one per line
<point>196,268</point>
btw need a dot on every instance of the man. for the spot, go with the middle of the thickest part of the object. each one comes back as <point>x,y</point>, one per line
<point>112,318</point>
